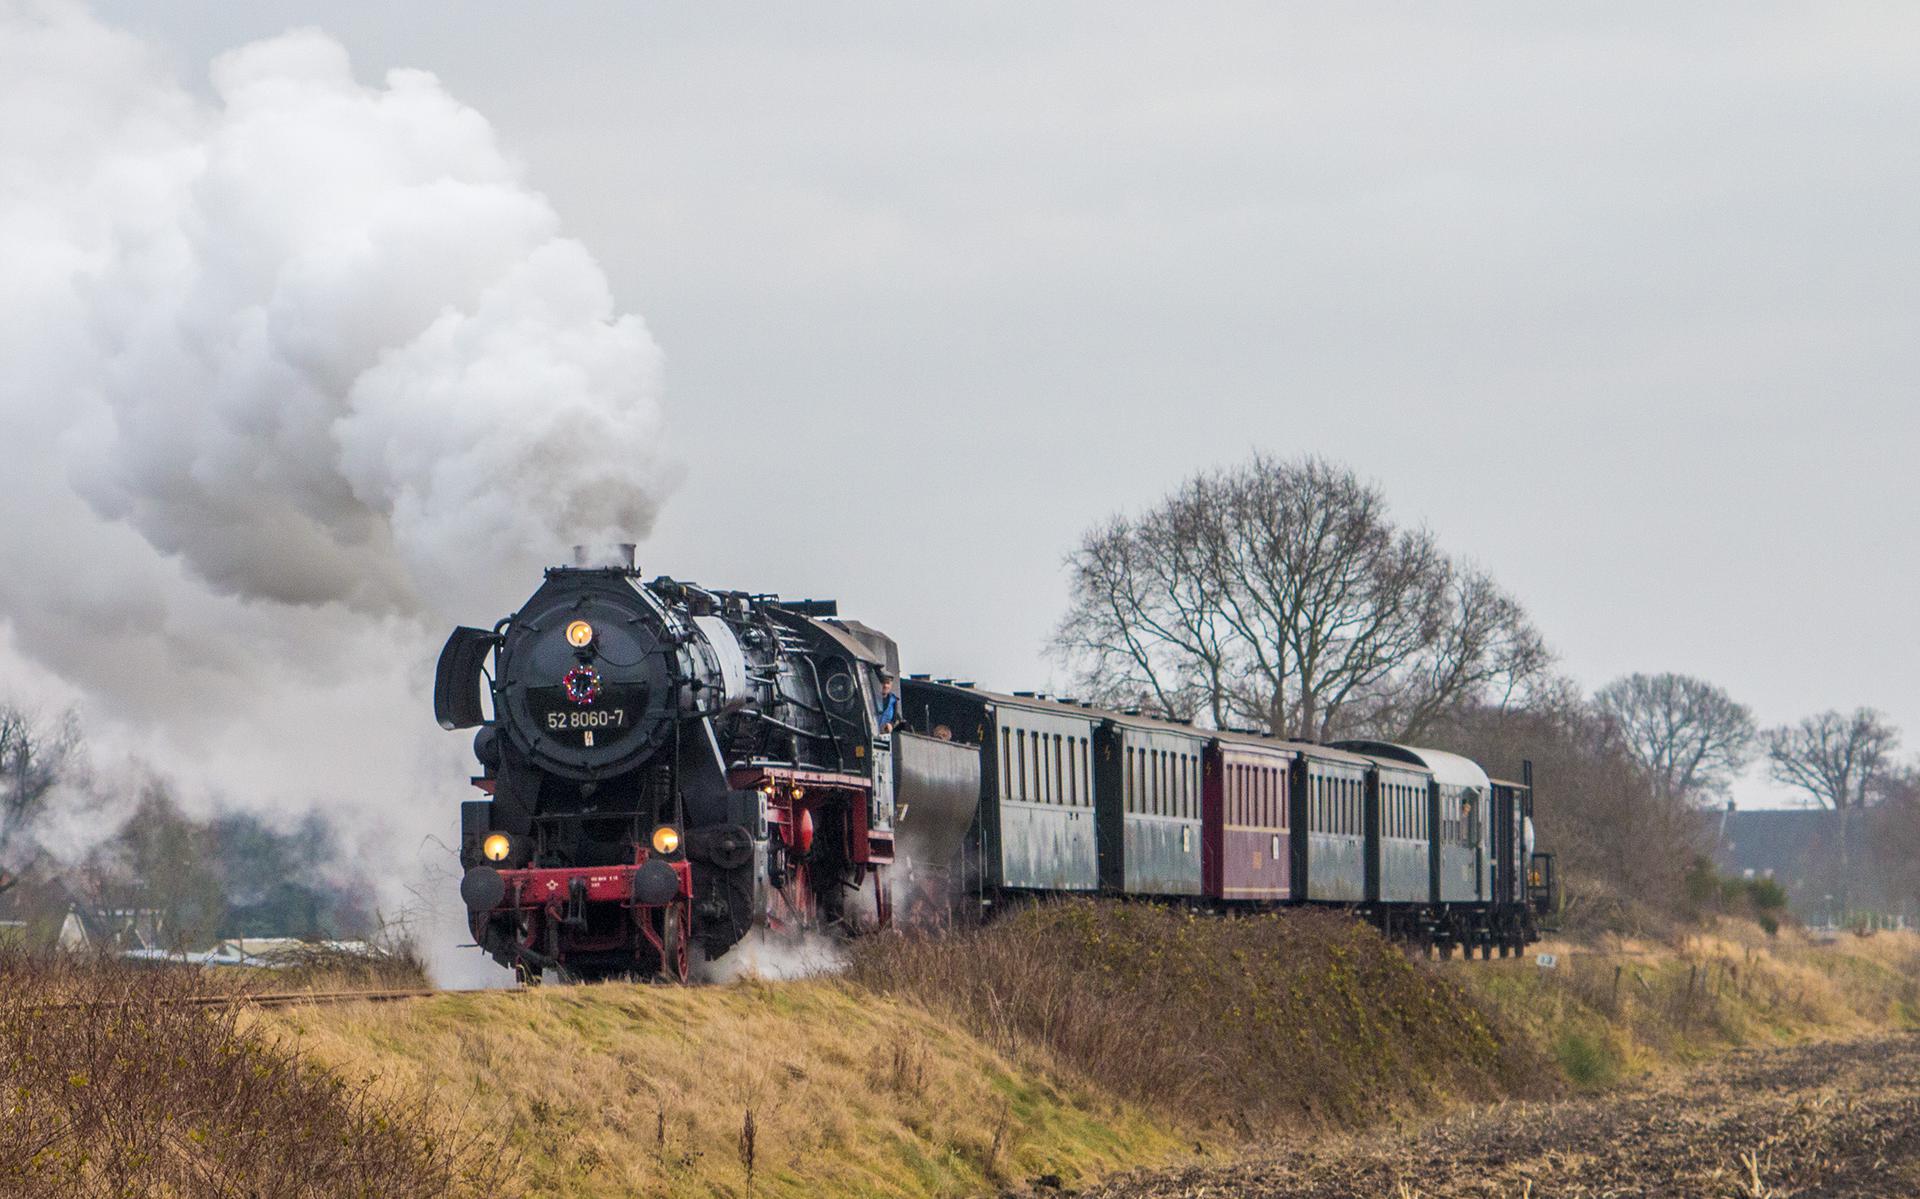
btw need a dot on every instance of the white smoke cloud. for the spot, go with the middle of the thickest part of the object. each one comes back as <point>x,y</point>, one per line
<point>290,380</point>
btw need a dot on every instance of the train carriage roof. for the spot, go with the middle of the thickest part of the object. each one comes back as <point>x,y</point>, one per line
<point>1002,699</point>
<point>1449,770</point>
<point>1258,742</point>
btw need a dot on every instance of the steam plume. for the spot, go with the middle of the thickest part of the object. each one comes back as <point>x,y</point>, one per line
<point>289,379</point>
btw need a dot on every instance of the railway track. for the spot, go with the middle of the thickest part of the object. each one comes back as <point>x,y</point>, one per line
<point>269,999</point>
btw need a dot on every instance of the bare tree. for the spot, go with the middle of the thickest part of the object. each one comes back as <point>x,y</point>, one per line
<point>1838,761</point>
<point>1279,595</point>
<point>1689,735</point>
<point>1590,788</point>
<point>34,756</point>
<point>1486,651</point>
<point>1835,759</point>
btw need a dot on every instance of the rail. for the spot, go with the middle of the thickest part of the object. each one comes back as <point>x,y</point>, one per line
<point>262,1000</point>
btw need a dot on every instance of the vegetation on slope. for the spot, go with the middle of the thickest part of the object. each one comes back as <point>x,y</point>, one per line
<point>1248,1023</point>
<point>1061,1044</point>
<point>111,1086</point>
<point>801,1088</point>
<point>1619,1006</point>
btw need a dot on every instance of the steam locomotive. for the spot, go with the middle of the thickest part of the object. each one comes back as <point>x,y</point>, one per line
<point>669,767</point>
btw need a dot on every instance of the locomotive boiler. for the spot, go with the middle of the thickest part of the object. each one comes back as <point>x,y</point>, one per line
<point>667,766</point>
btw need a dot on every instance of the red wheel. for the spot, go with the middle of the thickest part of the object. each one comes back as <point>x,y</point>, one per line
<point>673,944</point>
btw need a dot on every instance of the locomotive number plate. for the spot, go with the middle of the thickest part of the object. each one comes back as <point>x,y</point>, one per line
<point>604,718</point>
<point>612,717</point>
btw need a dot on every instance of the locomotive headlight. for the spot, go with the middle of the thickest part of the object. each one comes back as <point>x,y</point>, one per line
<point>666,839</point>
<point>496,847</point>
<point>579,634</point>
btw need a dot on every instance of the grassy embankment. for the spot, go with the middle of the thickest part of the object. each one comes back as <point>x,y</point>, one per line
<point>1070,1041</point>
<point>1067,1041</point>
<point>111,1085</point>
<point>1618,1007</point>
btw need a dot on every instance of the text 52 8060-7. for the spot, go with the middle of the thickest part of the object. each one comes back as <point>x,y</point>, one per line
<point>604,718</point>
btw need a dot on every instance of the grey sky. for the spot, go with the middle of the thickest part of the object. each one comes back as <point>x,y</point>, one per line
<point>1619,299</point>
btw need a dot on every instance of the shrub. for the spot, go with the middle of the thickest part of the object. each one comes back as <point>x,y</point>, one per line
<point>110,1083</point>
<point>1237,1020</point>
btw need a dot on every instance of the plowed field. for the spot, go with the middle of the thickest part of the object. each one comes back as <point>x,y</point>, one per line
<point>1823,1119</point>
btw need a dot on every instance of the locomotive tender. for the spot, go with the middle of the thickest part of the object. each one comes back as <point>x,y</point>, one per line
<point>668,766</point>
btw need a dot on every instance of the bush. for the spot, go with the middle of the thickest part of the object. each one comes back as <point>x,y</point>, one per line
<point>1237,1020</point>
<point>111,1083</point>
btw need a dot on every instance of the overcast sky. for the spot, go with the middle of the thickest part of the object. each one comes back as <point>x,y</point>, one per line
<point>1619,299</point>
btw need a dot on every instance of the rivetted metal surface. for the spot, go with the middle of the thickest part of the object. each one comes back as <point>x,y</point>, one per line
<point>1405,868</point>
<point>1150,820</point>
<point>1047,847</point>
<point>1404,874</point>
<point>1249,853</point>
<point>1459,871</point>
<point>1162,856</point>
<point>1335,868</point>
<point>936,793</point>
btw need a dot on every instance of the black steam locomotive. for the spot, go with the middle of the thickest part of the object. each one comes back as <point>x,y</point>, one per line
<point>669,766</point>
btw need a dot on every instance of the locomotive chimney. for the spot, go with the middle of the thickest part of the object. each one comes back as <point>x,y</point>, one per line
<point>618,555</point>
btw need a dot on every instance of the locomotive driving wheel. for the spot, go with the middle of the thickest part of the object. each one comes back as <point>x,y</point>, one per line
<point>673,944</point>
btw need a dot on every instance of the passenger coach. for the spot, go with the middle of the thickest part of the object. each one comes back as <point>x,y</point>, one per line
<point>1076,799</point>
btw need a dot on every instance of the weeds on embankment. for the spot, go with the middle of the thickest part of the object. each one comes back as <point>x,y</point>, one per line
<point>1242,1022</point>
<point>813,1087</point>
<point>111,1086</point>
<point>1614,1006</point>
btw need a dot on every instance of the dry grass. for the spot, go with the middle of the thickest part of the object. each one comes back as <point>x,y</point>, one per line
<point>318,966</point>
<point>1066,1042</point>
<point>1232,1023</point>
<point>1618,1006</point>
<point>110,1087</point>
<point>824,1087</point>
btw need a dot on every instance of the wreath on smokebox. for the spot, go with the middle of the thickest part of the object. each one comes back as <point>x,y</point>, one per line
<point>582,684</point>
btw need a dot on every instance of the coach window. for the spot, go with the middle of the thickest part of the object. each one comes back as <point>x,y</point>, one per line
<point>1039,780</point>
<point>1043,776</point>
<point>1006,761</point>
<point>1043,758</point>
